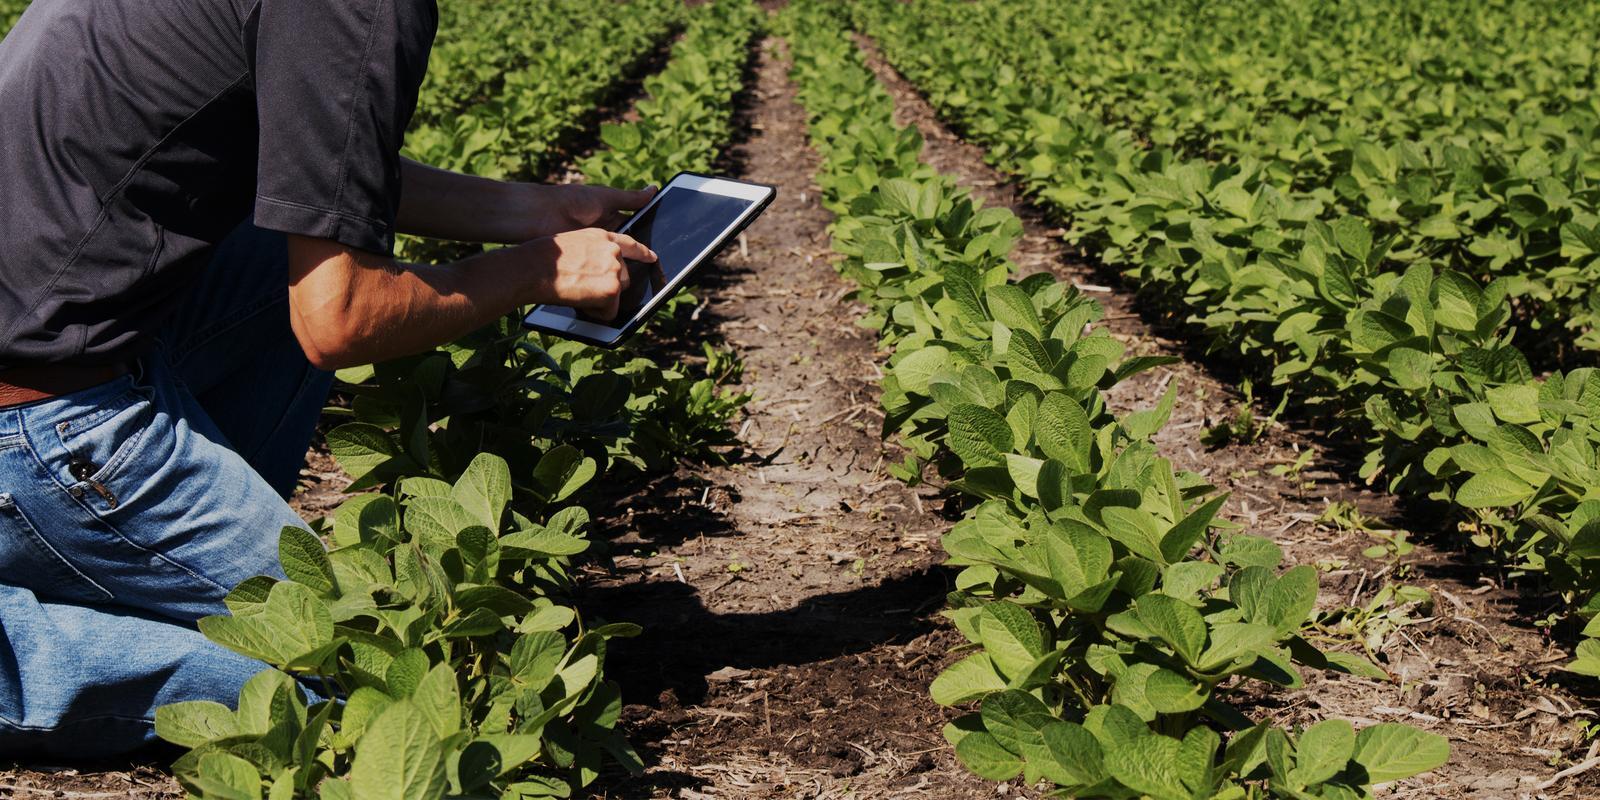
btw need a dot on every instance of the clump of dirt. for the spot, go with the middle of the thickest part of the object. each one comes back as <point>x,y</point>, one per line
<point>323,485</point>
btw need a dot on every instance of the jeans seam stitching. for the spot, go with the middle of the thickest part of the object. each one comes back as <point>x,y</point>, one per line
<point>121,457</point>
<point>84,423</point>
<point>114,529</point>
<point>31,531</point>
<point>20,726</point>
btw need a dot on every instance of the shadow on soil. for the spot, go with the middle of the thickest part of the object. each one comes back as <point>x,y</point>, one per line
<point>684,642</point>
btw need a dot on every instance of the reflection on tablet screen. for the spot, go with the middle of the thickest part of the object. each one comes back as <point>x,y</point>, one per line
<point>680,225</point>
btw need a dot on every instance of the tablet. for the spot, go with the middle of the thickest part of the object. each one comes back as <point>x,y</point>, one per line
<point>686,223</point>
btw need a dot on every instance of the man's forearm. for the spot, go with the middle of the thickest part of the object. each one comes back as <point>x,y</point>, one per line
<point>350,307</point>
<point>389,309</point>
<point>440,204</point>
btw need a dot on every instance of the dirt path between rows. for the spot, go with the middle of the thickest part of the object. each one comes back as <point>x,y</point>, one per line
<point>1470,665</point>
<point>789,601</point>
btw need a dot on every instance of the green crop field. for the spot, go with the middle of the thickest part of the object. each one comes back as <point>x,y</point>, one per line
<point>1121,400</point>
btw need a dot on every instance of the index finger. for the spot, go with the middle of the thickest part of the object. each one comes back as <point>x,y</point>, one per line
<point>632,249</point>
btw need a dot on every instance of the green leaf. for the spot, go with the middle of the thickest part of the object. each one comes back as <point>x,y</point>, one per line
<point>366,518</point>
<point>436,522</point>
<point>194,723</point>
<point>439,700</point>
<point>1355,665</point>
<point>1323,750</point>
<point>982,754</point>
<point>259,701</point>
<point>364,706</point>
<point>1076,754</point>
<point>1245,550</point>
<point>1135,530</point>
<point>514,751</point>
<point>292,623</point>
<point>1235,641</point>
<point>1149,764</point>
<point>1144,424</point>
<point>1024,473</point>
<point>1063,431</point>
<point>1171,693</point>
<point>1182,537</point>
<point>398,758</point>
<point>563,471</point>
<point>225,776</point>
<point>623,137</point>
<point>1391,751</point>
<point>978,435</point>
<point>1456,300</point>
<point>484,490</point>
<point>1027,353</point>
<point>534,657</point>
<point>1013,718</point>
<point>1518,403</point>
<point>1492,489</point>
<point>356,376</point>
<point>542,543</point>
<point>1175,622</point>
<point>362,449</point>
<point>405,672</point>
<point>1012,307</point>
<point>1284,603</point>
<point>1078,556</point>
<point>916,369</point>
<point>968,679</point>
<point>498,599</point>
<point>477,622</point>
<point>1011,636</point>
<point>305,561</point>
<point>1477,419</point>
<point>1411,369</point>
<point>1587,661</point>
<point>1353,237</point>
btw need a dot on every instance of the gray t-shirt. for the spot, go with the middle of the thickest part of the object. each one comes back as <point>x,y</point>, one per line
<point>135,134</point>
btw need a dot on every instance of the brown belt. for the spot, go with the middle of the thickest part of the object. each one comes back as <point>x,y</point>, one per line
<point>30,384</point>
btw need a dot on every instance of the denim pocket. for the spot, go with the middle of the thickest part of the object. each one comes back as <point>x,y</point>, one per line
<point>29,561</point>
<point>101,443</point>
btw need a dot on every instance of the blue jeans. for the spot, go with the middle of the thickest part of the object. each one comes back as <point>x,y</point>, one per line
<point>128,510</point>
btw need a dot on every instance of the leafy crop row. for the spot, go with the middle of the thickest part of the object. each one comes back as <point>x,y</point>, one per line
<point>1490,162</point>
<point>507,81</point>
<point>1333,268</point>
<point>10,12</point>
<point>437,615</point>
<point>1112,618</point>
<point>690,108</point>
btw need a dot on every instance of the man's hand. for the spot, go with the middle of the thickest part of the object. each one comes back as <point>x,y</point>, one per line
<point>598,206</point>
<point>591,270</point>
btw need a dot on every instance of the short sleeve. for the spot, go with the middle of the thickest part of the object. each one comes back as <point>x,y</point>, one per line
<point>336,84</point>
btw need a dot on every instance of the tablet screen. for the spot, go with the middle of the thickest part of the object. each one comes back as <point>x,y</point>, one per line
<point>679,226</point>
